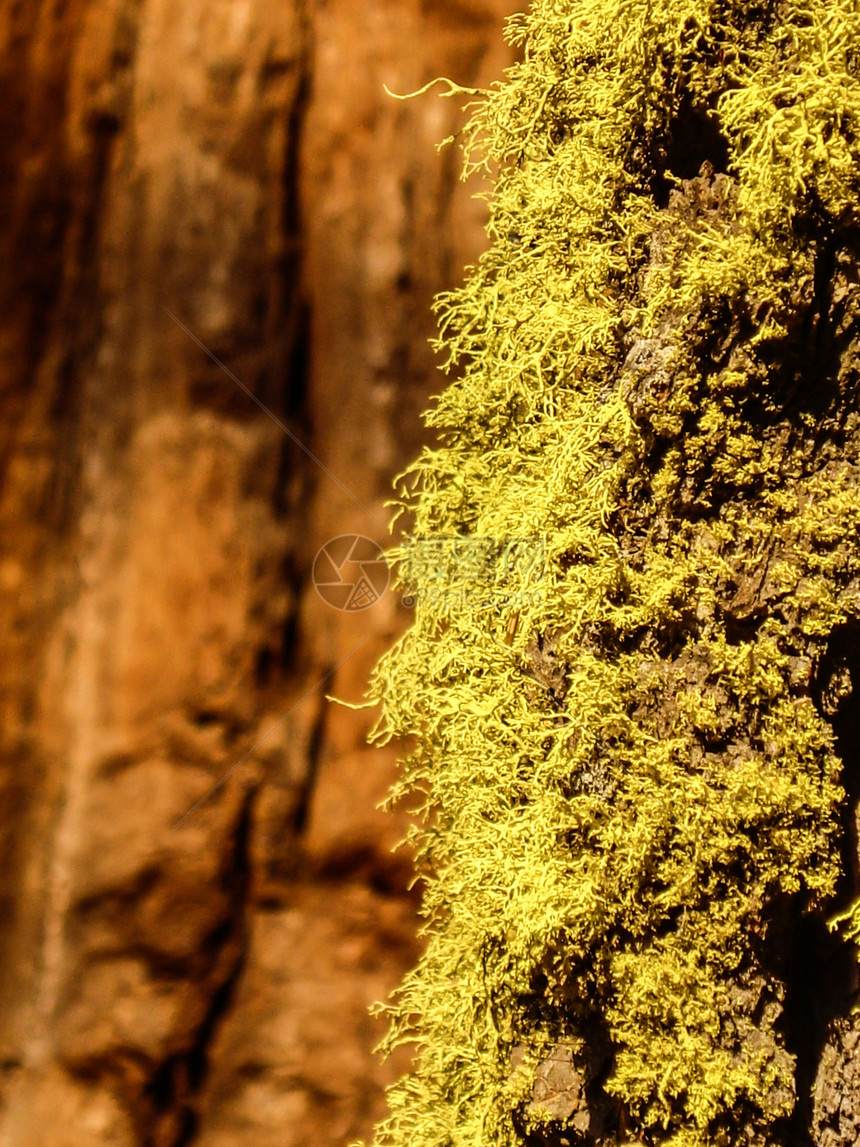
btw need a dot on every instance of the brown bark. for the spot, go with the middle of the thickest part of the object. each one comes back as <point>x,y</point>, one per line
<point>798,1001</point>
<point>237,170</point>
<point>792,996</point>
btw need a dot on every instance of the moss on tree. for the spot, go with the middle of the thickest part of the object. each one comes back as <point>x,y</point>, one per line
<point>628,765</point>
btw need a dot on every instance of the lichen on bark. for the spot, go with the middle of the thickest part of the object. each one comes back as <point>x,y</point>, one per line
<point>639,782</point>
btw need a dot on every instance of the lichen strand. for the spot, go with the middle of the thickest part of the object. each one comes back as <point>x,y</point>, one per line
<point>632,796</point>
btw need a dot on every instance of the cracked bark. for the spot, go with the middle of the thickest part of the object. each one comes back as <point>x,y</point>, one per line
<point>804,980</point>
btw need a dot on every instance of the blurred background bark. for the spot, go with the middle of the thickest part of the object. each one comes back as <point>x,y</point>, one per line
<point>224,176</point>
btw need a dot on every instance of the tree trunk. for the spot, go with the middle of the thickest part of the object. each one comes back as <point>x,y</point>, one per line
<point>640,768</point>
<point>199,900</point>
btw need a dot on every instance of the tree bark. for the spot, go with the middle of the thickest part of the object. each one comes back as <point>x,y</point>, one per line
<point>199,900</point>
<point>640,775</point>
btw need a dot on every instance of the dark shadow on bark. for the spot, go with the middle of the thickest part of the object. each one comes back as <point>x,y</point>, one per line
<point>693,138</point>
<point>821,972</point>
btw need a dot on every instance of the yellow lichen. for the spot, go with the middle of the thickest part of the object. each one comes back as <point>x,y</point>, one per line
<point>611,832</point>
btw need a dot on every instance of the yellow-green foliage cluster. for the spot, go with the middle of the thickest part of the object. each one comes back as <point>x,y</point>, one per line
<point>627,786</point>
